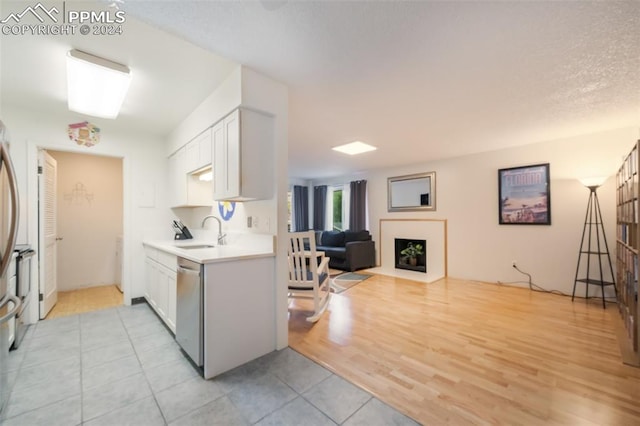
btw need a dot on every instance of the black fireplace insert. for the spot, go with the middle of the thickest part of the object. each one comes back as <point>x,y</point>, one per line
<point>411,254</point>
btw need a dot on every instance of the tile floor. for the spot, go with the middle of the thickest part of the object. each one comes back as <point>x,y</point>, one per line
<point>121,366</point>
<point>85,300</point>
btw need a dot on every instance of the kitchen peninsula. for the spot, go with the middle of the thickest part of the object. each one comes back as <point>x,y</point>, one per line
<point>238,296</point>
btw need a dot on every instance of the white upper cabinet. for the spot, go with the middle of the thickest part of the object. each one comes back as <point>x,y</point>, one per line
<point>243,144</point>
<point>185,189</point>
<point>199,152</point>
<point>178,178</point>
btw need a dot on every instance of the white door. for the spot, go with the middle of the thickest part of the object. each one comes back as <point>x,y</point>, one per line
<point>48,228</point>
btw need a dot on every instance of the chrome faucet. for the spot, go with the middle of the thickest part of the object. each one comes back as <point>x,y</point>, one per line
<point>220,234</point>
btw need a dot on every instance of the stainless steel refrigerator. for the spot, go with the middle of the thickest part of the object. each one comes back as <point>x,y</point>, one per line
<point>9,303</point>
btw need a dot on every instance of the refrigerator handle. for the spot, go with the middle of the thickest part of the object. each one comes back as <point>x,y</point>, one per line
<point>11,242</point>
<point>16,301</point>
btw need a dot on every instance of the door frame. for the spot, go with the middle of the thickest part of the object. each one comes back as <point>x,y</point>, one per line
<point>31,206</point>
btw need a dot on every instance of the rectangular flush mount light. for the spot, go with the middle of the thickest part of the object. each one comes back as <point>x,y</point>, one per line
<point>354,148</point>
<point>96,86</point>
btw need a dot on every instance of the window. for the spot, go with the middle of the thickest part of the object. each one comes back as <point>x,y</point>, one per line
<point>338,208</point>
<point>337,213</point>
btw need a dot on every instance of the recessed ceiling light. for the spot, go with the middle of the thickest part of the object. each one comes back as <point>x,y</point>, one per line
<point>354,148</point>
<point>96,86</point>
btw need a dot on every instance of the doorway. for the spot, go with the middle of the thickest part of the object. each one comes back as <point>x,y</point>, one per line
<point>80,229</point>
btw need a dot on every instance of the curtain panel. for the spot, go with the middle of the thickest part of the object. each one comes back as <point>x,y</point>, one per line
<point>358,205</point>
<point>300,208</point>
<point>319,207</point>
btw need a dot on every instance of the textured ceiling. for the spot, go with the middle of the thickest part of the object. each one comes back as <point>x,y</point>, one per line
<point>420,80</point>
<point>426,80</point>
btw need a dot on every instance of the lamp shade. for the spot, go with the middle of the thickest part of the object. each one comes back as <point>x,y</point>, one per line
<point>595,181</point>
<point>95,86</point>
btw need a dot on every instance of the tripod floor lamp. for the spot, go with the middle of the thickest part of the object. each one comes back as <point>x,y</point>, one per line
<point>593,247</point>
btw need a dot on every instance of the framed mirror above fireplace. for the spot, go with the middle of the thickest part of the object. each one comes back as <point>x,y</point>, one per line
<point>412,192</point>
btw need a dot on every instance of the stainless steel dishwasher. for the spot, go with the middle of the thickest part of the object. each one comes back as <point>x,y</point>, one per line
<point>190,310</point>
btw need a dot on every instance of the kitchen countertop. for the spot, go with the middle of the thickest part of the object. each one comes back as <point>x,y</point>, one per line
<point>224,253</point>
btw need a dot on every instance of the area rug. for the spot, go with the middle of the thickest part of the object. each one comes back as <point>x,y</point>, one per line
<point>347,280</point>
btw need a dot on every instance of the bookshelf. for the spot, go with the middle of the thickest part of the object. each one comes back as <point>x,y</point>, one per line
<point>627,245</point>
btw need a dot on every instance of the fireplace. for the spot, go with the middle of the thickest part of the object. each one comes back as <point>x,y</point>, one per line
<point>412,263</point>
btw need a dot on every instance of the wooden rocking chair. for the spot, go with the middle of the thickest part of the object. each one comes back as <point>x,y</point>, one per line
<point>308,272</point>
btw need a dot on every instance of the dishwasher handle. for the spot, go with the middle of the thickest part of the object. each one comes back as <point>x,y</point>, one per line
<point>183,270</point>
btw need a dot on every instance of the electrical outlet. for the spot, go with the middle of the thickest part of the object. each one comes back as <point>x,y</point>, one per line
<point>514,264</point>
<point>248,221</point>
<point>256,222</point>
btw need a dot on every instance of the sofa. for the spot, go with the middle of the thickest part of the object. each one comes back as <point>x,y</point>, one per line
<point>347,250</point>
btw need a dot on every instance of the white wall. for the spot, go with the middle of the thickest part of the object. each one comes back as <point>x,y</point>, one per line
<point>264,94</point>
<point>144,167</point>
<point>219,103</point>
<point>467,196</point>
<point>89,218</point>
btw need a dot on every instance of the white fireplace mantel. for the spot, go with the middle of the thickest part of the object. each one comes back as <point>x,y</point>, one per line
<point>434,231</point>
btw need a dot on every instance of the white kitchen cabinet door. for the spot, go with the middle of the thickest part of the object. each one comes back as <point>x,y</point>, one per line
<point>206,145</point>
<point>232,145</point>
<point>192,155</point>
<point>185,188</point>
<point>219,159</point>
<point>243,158</point>
<point>162,287</point>
<point>178,178</point>
<point>198,152</point>
<point>150,277</point>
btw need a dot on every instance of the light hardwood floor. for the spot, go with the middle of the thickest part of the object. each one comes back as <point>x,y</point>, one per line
<point>460,352</point>
<point>85,300</point>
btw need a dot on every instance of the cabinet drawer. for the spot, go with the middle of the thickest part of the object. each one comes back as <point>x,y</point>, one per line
<point>167,259</point>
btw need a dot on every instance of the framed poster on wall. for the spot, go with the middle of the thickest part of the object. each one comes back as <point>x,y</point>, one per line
<point>524,195</point>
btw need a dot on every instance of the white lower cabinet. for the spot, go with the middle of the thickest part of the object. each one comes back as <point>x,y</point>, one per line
<point>239,313</point>
<point>167,297</point>
<point>160,285</point>
<point>149,280</point>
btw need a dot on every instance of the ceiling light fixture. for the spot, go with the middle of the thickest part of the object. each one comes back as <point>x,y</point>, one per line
<point>354,148</point>
<point>96,86</point>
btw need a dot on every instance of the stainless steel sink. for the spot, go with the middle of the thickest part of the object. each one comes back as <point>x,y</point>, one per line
<point>199,246</point>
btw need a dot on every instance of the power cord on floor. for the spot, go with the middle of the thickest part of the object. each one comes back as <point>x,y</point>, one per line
<point>535,287</point>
